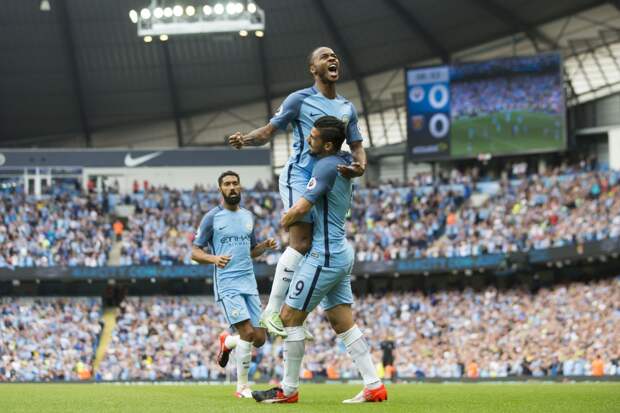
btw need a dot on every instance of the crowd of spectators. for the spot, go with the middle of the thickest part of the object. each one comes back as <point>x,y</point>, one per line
<point>557,331</point>
<point>568,330</point>
<point>164,338</point>
<point>44,339</point>
<point>385,223</point>
<point>59,229</point>
<point>537,212</point>
<point>389,223</point>
<point>534,93</point>
<point>416,220</point>
<point>162,227</point>
<point>451,214</point>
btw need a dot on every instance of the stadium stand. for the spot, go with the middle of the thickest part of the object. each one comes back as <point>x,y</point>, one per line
<point>555,331</point>
<point>45,339</point>
<point>484,218</point>
<point>61,229</point>
<point>424,218</point>
<point>163,338</point>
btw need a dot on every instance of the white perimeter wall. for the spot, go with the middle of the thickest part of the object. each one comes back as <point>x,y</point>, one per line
<point>392,168</point>
<point>614,148</point>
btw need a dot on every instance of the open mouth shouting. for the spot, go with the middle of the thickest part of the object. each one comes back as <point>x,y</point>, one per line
<point>333,70</point>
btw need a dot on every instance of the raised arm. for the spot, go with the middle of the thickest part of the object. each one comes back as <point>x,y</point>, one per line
<point>257,137</point>
<point>283,116</point>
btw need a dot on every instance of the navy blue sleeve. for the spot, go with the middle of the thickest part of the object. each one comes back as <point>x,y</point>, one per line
<point>204,234</point>
<point>288,110</point>
<point>353,130</point>
<point>253,234</point>
<point>323,177</point>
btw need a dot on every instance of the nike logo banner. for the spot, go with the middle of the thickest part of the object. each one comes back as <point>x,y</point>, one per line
<point>132,162</point>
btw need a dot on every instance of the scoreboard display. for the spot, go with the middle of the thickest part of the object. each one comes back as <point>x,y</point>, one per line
<point>428,108</point>
<point>498,107</point>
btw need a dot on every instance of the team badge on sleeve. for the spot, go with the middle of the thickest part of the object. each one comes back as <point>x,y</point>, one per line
<point>279,111</point>
<point>311,183</point>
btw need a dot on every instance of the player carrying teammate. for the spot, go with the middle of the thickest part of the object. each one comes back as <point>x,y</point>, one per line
<point>324,274</point>
<point>228,230</point>
<point>301,109</point>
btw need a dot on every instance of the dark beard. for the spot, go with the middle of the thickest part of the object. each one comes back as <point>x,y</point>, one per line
<point>233,199</point>
<point>325,79</point>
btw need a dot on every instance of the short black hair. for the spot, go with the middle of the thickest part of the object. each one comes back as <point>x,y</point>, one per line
<point>313,52</point>
<point>225,174</point>
<point>332,130</point>
<point>311,55</point>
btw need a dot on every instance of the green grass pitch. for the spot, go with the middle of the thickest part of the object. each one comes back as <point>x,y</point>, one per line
<point>507,133</point>
<point>453,398</point>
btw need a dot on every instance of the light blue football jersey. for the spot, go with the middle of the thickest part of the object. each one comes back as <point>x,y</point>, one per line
<point>330,193</point>
<point>231,233</point>
<point>301,109</point>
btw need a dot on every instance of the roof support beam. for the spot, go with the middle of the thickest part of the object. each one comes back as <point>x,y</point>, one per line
<point>64,22</point>
<point>534,34</point>
<point>348,59</point>
<point>418,29</point>
<point>265,76</point>
<point>262,59</point>
<point>172,93</point>
<point>517,24</point>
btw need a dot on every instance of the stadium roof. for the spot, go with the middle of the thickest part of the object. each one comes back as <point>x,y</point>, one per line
<point>81,67</point>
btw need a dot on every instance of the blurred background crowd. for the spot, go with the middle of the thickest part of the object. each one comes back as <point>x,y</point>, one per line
<point>459,214</point>
<point>541,93</point>
<point>569,330</point>
<point>45,339</point>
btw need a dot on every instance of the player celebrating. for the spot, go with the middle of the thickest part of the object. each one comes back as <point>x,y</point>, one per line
<point>229,232</point>
<point>301,109</point>
<point>324,274</point>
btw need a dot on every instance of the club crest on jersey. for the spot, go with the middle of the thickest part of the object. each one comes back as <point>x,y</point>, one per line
<point>311,183</point>
<point>248,226</point>
<point>279,111</point>
<point>345,119</point>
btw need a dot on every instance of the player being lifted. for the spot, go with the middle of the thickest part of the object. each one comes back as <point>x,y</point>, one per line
<point>324,275</point>
<point>301,109</point>
<point>228,230</point>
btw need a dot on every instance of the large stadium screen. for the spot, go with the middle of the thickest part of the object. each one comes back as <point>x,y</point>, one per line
<point>498,107</point>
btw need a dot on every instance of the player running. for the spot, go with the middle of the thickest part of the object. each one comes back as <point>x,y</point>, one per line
<point>228,230</point>
<point>324,274</point>
<point>301,109</point>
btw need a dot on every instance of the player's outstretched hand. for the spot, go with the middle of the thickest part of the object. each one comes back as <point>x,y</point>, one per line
<point>222,260</point>
<point>236,140</point>
<point>351,171</point>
